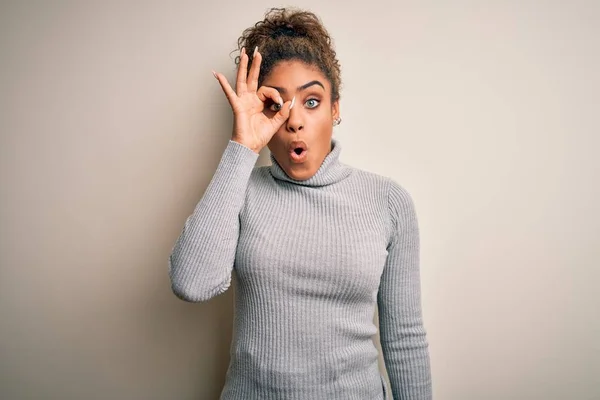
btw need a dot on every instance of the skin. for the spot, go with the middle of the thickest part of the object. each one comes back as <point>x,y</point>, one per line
<point>265,116</point>
<point>310,120</point>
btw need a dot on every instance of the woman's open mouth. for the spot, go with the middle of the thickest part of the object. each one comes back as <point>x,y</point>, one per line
<point>298,151</point>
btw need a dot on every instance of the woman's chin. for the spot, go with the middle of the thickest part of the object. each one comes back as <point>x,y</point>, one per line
<point>298,172</point>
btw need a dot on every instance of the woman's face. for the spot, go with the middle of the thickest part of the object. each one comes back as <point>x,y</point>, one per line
<point>304,140</point>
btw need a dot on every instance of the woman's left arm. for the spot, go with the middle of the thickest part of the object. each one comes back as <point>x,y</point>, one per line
<point>403,336</point>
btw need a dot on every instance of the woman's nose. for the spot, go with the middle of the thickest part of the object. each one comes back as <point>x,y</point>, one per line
<point>295,121</point>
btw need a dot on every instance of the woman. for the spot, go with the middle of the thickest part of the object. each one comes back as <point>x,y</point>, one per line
<point>314,243</point>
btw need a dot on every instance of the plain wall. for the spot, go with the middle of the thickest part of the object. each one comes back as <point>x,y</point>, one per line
<point>112,125</point>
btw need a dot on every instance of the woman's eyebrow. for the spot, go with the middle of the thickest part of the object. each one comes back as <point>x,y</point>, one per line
<point>299,88</point>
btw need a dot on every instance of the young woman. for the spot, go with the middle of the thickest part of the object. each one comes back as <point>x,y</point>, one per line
<point>315,244</point>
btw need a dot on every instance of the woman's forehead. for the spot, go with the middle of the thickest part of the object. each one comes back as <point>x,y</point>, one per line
<point>293,75</point>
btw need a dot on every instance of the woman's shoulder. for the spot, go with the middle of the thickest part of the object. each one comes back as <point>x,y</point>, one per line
<point>366,176</point>
<point>398,197</point>
<point>388,183</point>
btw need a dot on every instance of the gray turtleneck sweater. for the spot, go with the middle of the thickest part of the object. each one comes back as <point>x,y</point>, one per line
<point>311,260</point>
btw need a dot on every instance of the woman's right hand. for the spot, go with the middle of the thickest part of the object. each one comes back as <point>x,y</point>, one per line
<point>251,127</point>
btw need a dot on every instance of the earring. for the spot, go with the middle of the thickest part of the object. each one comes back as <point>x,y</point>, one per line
<point>337,121</point>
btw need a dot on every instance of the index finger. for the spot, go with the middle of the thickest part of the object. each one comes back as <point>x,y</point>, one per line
<point>254,71</point>
<point>242,74</point>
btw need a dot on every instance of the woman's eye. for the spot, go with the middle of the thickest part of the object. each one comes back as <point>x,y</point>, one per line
<point>275,107</point>
<point>312,103</point>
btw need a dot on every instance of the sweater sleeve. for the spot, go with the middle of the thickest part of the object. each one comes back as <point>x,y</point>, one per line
<point>202,258</point>
<point>402,334</point>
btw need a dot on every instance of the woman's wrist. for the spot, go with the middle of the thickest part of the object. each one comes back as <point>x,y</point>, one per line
<point>251,147</point>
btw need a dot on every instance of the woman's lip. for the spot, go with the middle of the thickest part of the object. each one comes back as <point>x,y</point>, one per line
<point>297,144</point>
<point>298,158</point>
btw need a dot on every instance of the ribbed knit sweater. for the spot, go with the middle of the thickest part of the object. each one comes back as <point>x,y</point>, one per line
<point>311,260</point>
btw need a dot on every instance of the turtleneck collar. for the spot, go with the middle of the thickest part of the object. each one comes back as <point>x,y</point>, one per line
<point>331,170</point>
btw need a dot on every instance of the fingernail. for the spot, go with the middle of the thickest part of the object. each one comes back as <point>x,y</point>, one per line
<point>255,51</point>
<point>243,51</point>
<point>280,101</point>
<point>215,74</point>
<point>293,101</point>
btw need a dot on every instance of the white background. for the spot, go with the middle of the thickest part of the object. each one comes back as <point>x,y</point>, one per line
<point>112,124</point>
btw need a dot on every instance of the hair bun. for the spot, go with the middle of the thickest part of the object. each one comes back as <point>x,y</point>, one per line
<point>289,30</point>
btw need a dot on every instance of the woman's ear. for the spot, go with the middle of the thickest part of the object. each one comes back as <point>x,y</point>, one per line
<point>335,109</point>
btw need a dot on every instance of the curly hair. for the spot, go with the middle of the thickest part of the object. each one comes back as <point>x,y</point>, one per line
<point>292,34</point>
